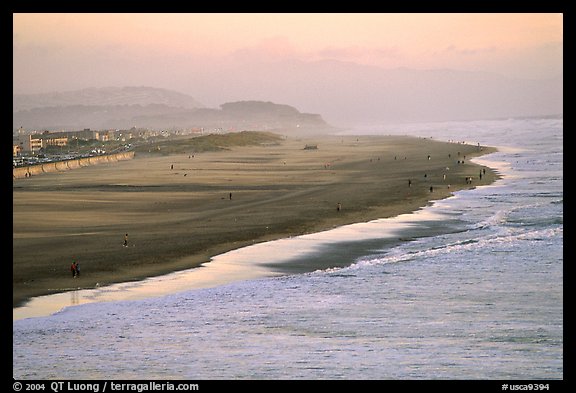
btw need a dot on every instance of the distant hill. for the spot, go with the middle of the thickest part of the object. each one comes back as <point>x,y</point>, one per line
<point>144,107</point>
<point>105,96</point>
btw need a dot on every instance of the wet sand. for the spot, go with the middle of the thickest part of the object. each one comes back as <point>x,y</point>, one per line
<point>180,210</point>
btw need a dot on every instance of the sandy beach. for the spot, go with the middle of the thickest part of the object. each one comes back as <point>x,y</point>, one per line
<point>181,209</point>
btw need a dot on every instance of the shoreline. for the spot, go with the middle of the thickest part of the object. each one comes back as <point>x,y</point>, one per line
<point>349,164</point>
<point>283,256</point>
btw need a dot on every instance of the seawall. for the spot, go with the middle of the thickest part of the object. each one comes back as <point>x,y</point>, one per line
<point>32,170</point>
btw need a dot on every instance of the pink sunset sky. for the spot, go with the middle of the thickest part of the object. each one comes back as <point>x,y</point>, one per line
<point>528,45</point>
<point>192,53</point>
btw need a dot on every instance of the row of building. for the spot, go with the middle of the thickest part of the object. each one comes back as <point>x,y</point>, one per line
<point>32,143</point>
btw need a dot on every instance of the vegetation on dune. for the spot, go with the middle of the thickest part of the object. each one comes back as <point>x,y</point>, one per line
<point>212,142</point>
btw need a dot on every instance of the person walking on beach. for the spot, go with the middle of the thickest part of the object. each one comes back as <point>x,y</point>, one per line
<point>77,269</point>
<point>338,206</point>
<point>126,240</point>
<point>73,269</point>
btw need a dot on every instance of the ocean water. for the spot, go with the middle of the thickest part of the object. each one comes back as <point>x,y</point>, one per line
<point>474,291</point>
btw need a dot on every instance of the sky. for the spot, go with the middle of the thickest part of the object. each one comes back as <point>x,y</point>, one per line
<point>191,53</point>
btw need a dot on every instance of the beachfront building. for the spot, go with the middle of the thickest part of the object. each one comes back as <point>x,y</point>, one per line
<point>26,143</point>
<point>32,143</point>
<point>16,150</point>
<point>88,134</point>
<point>53,139</point>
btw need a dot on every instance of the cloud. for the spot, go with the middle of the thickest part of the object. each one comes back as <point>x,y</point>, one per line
<point>453,49</point>
<point>357,52</point>
<point>280,48</point>
<point>535,61</point>
<point>387,57</point>
<point>268,49</point>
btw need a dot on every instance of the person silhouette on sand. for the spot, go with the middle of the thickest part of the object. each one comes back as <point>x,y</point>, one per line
<point>126,240</point>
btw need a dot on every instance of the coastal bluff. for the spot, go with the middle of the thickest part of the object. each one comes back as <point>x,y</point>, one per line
<point>57,166</point>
